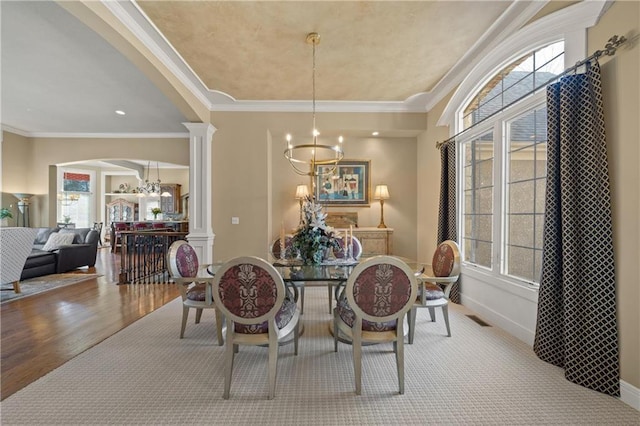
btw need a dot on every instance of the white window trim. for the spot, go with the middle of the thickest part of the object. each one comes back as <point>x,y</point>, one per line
<point>61,170</point>
<point>569,24</point>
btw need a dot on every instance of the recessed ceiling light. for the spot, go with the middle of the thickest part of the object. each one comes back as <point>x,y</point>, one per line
<point>375,133</point>
<point>120,112</point>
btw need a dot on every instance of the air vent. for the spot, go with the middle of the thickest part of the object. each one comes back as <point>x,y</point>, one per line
<point>479,321</point>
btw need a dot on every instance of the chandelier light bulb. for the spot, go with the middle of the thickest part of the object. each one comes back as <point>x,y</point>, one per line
<point>306,156</point>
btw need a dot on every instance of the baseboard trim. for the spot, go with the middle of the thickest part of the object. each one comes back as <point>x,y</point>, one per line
<point>630,395</point>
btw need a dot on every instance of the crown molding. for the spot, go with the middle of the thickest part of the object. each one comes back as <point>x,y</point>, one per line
<point>321,106</point>
<point>135,20</point>
<point>70,135</point>
<point>15,130</point>
<point>543,31</point>
<point>517,15</point>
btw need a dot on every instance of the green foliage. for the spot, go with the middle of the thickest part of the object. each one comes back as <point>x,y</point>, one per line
<point>313,238</point>
<point>5,213</point>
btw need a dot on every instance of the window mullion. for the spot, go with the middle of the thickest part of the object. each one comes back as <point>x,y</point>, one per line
<point>498,212</point>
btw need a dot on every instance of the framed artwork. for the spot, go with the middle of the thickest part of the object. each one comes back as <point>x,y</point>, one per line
<point>348,185</point>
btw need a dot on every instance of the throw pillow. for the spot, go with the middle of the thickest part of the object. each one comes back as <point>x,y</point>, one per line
<point>56,240</point>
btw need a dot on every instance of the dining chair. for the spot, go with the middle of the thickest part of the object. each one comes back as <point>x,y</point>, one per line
<point>195,284</point>
<point>340,254</point>
<point>259,310</point>
<point>371,309</point>
<point>435,285</point>
<point>276,252</point>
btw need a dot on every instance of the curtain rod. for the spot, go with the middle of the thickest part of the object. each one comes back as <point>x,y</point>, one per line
<point>609,50</point>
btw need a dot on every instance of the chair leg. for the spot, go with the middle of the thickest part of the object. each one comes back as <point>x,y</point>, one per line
<point>16,287</point>
<point>412,323</point>
<point>357,354</point>
<point>185,315</point>
<point>432,313</point>
<point>296,334</point>
<point>399,346</point>
<point>335,330</point>
<point>445,313</point>
<point>198,315</point>
<point>330,288</point>
<point>273,361</point>
<point>229,353</point>
<point>219,323</point>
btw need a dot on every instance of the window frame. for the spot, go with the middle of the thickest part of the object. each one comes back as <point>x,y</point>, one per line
<point>61,170</point>
<point>497,124</point>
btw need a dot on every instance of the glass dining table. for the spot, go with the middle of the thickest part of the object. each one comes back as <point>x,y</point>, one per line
<point>334,272</point>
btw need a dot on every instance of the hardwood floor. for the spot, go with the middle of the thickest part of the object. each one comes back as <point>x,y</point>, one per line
<point>41,332</point>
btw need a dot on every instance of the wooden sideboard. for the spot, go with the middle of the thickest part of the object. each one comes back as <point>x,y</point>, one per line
<point>374,240</point>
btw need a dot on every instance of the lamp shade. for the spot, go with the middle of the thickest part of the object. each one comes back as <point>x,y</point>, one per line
<point>381,192</point>
<point>301,192</point>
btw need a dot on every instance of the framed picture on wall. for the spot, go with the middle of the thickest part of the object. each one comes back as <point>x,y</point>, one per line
<point>348,185</point>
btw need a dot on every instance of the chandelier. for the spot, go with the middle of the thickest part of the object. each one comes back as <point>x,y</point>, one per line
<point>66,199</point>
<point>151,189</point>
<point>306,156</point>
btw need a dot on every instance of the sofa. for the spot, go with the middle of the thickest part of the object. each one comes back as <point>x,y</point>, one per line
<point>80,249</point>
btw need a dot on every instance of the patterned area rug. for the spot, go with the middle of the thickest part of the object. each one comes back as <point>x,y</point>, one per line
<point>41,284</point>
<point>146,374</point>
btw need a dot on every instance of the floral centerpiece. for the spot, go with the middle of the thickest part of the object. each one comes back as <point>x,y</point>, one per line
<point>313,238</point>
<point>156,211</point>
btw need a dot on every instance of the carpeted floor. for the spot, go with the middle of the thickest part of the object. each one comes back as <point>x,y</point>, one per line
<point>146,375</point>
<point>41,284</point>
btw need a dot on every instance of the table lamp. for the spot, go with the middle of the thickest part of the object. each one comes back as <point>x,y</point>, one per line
<point>302,192</point>
<point>381,193</point>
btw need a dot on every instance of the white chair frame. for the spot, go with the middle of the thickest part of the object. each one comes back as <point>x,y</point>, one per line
<point>299,284</point>
<point>359,337</point>
<point>331,285</point>
<point>272,339</point>
<point>428,276</point>
<point>185,283</point>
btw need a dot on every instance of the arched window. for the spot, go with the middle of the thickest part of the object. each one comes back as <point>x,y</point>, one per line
<point>503,166</point>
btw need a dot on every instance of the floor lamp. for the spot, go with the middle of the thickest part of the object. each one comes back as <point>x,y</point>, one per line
<point>23,208</point>
<point>381,193</point>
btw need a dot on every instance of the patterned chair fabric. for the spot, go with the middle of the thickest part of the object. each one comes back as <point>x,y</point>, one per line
<point>380,290</point>
<point>195,287</point>
<point>357,249</point>
<point>436,292</point>
<point>275,246</point>
<point>187,261</point>
<point>371,309</point>
<point>443,260</point>
<point>249,291</point>
<point>253,297</point>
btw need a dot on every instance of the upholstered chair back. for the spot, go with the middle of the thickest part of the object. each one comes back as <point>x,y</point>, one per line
<point>276,247</point>
<point>250,292</point>
<point>446,259</point>
<point>183,260</point>
<point>380,290</point>
<point>357,249</point>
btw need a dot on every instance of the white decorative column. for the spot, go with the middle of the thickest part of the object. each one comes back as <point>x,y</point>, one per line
<point>201,234</point>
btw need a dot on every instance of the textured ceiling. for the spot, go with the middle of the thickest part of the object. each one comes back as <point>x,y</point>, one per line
<point>369,51</point>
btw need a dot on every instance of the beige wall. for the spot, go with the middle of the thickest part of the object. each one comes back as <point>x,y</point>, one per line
<point>26,163</point>
<point>16,152</point>
<point>429,182</point>
<point>621,92</point>
<point>253,181</point>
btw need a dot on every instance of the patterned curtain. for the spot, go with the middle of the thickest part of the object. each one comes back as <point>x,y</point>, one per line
<point>577,327</point>
<point>447,210</point>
